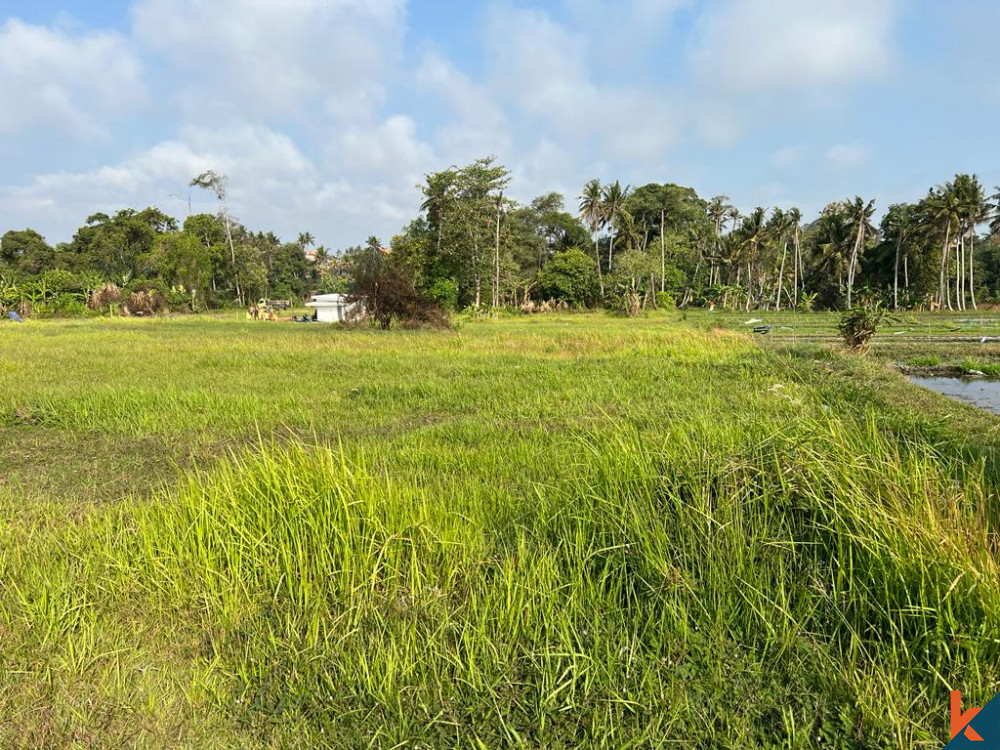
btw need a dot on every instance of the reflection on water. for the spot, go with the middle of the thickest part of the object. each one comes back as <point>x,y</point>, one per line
<point>982,393</point>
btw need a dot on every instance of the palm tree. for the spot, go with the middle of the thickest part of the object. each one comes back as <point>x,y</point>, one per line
<point>752,235</point>
<point>592,213</point>
<point>321,259</point>
<point>777,230</point>
<point>832,237</point>
<point>898,221</point>
<point>306,240</point>
<point>614,197</point>
<point>995,222</point>
<point>718,211</point>
<point>438,195</point>
<point>859,217</point>
<point>794,218</point>
<point>944,211</point>
<point>974,210</point>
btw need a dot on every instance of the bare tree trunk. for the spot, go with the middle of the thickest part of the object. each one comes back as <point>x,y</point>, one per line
<point>852,269</point>
<point>232,253</point>
<point>496,261</point>
<point>972,268</point>
<point>895,280</point>
<point>597,255</point>
<point>943,293</point>
<point>796,262</point>
<point>781,276</point>
<point>611,248</point>
<point>960,273</point>
<point>663,251</point>
<point>906,272</point>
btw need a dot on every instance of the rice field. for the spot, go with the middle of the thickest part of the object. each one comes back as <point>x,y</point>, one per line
<point>560,531</point>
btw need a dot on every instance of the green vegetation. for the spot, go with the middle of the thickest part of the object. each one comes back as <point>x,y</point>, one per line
<point>550,531</point>
<point>473,247</point>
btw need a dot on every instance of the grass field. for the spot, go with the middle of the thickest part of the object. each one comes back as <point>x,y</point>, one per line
<point>570,531</point>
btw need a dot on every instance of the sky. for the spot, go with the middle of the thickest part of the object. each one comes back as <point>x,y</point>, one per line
<point>326,115</point>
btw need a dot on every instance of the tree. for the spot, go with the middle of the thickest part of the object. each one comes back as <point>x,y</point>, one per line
<point>384,289</point>
<point>26,250</point>
<point>859,218</point>
<point>794,217</point>
<point>592,213</point>
<point>943,209</point>
<point>219,184</point>
<point>569,277</point>
<point>613,198</point>
<point>306,240</point>
<point>898,224</point>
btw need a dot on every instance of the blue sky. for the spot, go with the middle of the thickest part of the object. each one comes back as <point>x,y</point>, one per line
<point>326,114</point>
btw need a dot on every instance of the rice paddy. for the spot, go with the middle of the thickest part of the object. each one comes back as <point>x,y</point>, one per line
<point>561,531</point>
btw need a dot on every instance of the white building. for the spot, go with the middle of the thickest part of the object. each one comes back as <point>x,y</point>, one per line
<point>332,308</point>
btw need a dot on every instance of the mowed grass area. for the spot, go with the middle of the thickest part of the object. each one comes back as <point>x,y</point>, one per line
<point>566,531</point>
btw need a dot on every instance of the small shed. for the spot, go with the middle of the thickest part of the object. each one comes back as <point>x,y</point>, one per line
<point>332,308</point>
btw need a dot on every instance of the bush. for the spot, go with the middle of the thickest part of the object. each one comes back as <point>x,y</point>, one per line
<point>445,293</point>
<point>665,301</point>
<point>858,326</point>
<point>146,303</point>
<point>569,277</point>
<point>105,298</point>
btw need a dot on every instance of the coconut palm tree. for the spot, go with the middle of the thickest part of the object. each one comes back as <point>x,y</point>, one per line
<point>859,217</point>
<point>592,214</point>
<point>974,210</point>
<point>751,236</point>
<point>778,230</point>
<point>944,211</point>
<point>995,221</point>
<point>899,222</point>
<point>718,212</point>
<point>832,238</point>
<point>794,218</point>
<point>614,197</point>
<point>306,240</point>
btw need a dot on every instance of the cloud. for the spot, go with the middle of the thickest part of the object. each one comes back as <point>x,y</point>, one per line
<point>753,46</point>
<point>54,79</point>
<point>272,183</point>
<point>788,157</point>
<point>268,59</point>
<point>540,67</point>
<point>847,156</point>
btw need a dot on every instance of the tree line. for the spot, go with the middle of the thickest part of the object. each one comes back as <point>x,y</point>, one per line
<point>473,247</point>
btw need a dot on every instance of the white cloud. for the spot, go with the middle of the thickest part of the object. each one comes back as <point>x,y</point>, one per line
<point>51,78</point>
<point>788,157</point>
<point>267,58</point>
<point>388,149</point>
<point>778,45</point>
<point>469,102</point>
<point>846,156</point>
<point>272,184</point>
<point>541,67</point>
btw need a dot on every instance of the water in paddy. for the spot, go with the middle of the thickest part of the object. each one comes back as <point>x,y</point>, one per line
<point>982,393</point>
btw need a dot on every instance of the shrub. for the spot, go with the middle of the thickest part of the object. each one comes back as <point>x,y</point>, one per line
<point>857,326</point>
<point>665,301</point>
<point>569,277</point>
<point>146,303</point>
<point>445,293</point>
<point>105,298</point>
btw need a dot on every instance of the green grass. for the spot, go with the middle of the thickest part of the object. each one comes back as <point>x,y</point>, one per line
<point>548,532</point>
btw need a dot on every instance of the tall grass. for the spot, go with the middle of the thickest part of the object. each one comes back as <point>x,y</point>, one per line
<point>654,538</point>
